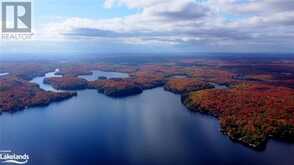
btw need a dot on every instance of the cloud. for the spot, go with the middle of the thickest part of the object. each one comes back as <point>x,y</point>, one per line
<point>177,10</point>
<point>134,3</point>
<point>253,6</point>
<point>93,32</point>
<point>256,25</point>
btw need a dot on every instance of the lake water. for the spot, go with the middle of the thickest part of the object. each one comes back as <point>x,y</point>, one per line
<point>218,86</point>
<point>151,128</point>
<point>39,81</point>
<point>98,73</point>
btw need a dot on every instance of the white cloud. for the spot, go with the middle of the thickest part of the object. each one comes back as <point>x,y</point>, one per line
<point>135,3</point>
<point>253,6</point>
<point>214,24</point>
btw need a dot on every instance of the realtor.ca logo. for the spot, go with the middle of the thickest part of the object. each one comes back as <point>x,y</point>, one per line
<point>8,157</point>
<point>16,20</point>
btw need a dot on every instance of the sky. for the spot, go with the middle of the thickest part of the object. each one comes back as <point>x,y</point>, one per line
<point>114,26</point>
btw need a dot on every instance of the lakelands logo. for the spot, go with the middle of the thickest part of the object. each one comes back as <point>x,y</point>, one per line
<point>8,157</point>
<point>16,20</point>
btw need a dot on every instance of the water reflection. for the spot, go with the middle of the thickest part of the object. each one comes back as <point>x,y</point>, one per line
<point>151,128</point>
<point>97,73</point>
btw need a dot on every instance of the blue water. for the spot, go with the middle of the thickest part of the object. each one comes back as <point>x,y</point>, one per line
<point>97,73</point>
<point>39,81</point>
<point>151,128</point>
<point>218,86</point>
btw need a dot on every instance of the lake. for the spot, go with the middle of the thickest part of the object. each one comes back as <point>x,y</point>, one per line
<point>150,128</point>
<point>98,73</point>
<point>39,81</point>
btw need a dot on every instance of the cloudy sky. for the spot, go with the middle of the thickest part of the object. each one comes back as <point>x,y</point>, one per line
<point>159,26</point>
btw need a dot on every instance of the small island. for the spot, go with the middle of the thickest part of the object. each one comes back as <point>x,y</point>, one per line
<point>67,83</point>
<point>116,87</point>
<point>113,87</point>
